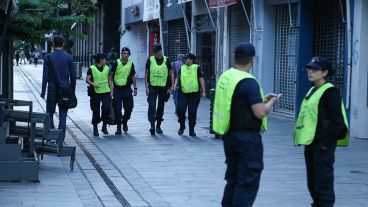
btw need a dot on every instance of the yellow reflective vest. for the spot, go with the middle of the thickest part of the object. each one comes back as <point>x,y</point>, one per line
<point>306,124</point>
<point>189,78</point>
<point>223,99</point>
<point>122,72</point>
<point>158,73</point>
<point>101,78</point>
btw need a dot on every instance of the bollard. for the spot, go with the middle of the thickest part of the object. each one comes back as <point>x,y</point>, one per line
<point>78,70</point>
<point>2,104</point>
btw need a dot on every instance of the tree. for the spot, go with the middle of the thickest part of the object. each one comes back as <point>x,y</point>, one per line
<point>35,18</point>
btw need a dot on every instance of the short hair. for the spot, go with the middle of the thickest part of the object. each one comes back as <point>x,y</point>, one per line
<point>243,60</point>
<point>244,53</point>
<point>58,41</point>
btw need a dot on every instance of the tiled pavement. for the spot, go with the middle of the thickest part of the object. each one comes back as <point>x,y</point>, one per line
<point>170,170</point>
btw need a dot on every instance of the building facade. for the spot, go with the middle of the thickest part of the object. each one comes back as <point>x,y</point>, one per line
<point>101,35</point>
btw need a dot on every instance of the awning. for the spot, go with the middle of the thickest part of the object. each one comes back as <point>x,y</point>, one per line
<point>221,3</point>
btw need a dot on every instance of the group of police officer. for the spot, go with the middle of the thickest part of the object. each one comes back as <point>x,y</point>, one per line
<point>112,87</point>
<point>239,115</point>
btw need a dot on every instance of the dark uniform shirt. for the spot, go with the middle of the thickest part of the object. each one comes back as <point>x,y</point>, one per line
<point>246,94</point>
<point>199,75</point>
<point>159,62</point>
<point>330,125</point>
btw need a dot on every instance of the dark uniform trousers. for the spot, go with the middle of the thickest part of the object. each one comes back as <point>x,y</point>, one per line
<point>153,113</point>
<point>191,102</point>
<point>320,177</point>
<point>123,98</point>
<point>102,100</point>
<point>244,159</point>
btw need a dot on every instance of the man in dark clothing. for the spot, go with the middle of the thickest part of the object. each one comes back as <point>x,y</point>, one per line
<point>240,110</point>
<point>111,57</point>
<point>123,76</point>
<point>176,67</point>
<point>58,74</point>
<point>17,56</point>
<point>159,82</point>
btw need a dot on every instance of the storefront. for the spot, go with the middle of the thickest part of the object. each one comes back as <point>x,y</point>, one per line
<point>238,26</point>
<point>178,36</point>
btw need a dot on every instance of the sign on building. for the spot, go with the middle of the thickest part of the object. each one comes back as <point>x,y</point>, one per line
<point>151,10</point>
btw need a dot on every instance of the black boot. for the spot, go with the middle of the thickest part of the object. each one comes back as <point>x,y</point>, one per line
<point>95,130</point>
<point>181,129</point>
<point>191,132</point>
<point>104,128</point>
<point>125,126</point>
<point>152,129</point>
<point>158,128</point>
<point>118,129</point>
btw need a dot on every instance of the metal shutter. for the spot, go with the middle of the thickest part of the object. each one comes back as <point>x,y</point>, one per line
<point>286,58</point>
<point>177,39</point>
<point>204,24</point>
<point>329,37</point>
<point>238,28</point>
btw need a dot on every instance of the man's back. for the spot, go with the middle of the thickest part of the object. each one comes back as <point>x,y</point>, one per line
<point>62,63</point>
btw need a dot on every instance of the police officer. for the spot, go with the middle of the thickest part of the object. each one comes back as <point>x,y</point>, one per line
<point>123,75</point>
<point>99,80</point>
<point>240,110</point>
<point>159,82</point>
<point>321,125</point>
<point>189,79</point>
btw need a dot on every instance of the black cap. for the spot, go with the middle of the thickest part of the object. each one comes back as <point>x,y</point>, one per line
<point>125,49</point>
<point>320,63</point>
<point>190,56</point>
<point>244,49</point>
<point>156,48</point>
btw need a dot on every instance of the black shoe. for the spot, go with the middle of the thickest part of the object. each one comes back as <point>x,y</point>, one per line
<point>181,129</point>
<point>159,130</point>
<point>95,131</point>
<point>152,130</point>
<point>104,129</point>
<point>125,127</point>
<point>158,127</point>
<point>118,130</point>
<point>192,133</point>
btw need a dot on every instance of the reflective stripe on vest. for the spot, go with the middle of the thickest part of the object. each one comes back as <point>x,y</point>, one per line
<point>158,73</point>
<point>189,78</point>
<point>223,99</point>
<point>306,124</point>
<point>101,78</point>
<point>122,72</point>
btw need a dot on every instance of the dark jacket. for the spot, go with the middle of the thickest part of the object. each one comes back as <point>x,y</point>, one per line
<point>330,125</point>
<point>63,66</point>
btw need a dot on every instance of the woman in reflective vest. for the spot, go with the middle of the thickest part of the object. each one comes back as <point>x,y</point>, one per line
<point>190,77</point>
<point>100,93</point>
<point>321,126</point>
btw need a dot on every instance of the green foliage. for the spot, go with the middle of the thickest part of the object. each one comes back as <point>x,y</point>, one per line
<point>36,18</point>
